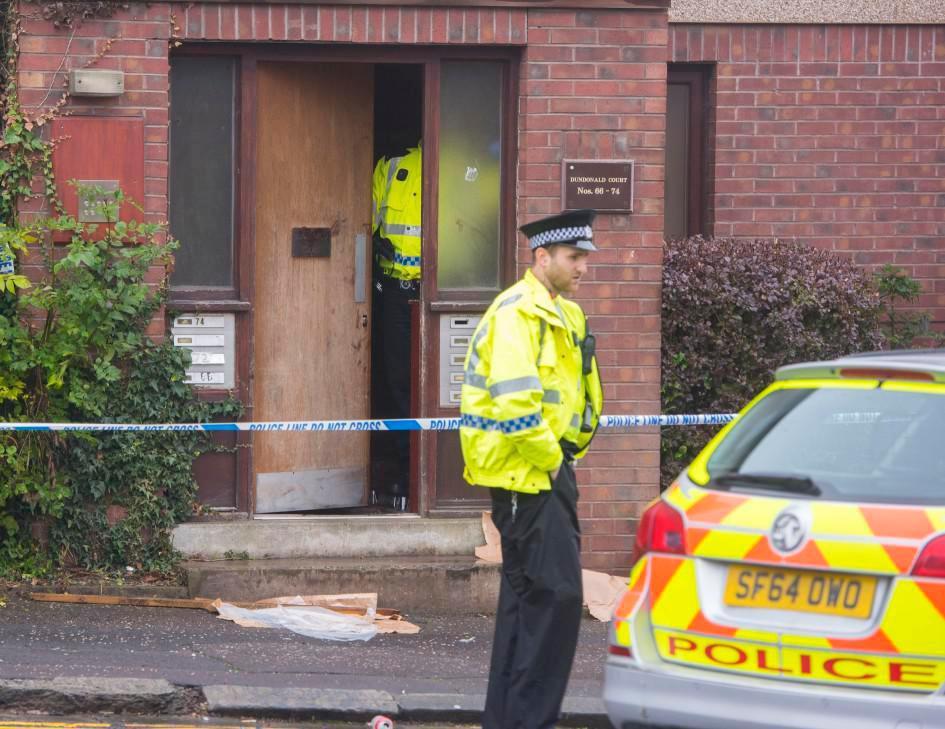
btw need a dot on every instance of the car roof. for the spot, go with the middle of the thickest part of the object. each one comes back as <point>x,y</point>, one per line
<point>929,363</point>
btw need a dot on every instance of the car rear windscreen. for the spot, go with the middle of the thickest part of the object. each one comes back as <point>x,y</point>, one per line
<point>877,444</point>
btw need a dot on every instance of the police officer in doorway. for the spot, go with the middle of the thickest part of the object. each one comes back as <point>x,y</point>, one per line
<point>397,192</point>
<point>531,400</point>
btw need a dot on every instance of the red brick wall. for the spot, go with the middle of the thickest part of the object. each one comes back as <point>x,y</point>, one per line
<point>135,42</point>
<point>592,86</point>
<point>832,135</point>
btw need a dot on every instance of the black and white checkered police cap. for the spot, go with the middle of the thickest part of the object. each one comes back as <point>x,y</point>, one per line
<point>570,228</point>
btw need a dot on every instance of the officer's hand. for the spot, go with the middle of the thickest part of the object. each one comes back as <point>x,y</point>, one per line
<point>554,474</point>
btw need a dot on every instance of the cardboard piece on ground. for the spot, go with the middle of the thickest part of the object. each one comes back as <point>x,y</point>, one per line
<point>360,601</point>
<point>601,591</point>
<point>165,602</point>
<point>395,625</point>
<point>491,551</point>
<point>386,620</point>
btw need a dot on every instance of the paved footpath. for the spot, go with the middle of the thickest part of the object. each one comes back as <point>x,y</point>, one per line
<point>84,659</point>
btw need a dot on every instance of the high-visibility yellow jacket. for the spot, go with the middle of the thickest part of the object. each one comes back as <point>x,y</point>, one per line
<point>397,190</point>
<point>525,390</point>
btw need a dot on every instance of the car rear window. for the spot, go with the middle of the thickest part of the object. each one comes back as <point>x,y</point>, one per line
<point>873,445</point>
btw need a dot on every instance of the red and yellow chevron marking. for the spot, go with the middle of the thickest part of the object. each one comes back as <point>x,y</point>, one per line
<point>880,539</point>
<point>913,623</point>
<point>636,588</point>
<point>906,651</point>
<point>631,599</point>
<point>674,601</point>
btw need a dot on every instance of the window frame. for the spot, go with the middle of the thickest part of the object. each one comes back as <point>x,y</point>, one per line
<point>218,298</point>
<point>470,299</point>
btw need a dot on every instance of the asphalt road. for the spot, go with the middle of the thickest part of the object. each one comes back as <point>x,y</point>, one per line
<point>194,648</point>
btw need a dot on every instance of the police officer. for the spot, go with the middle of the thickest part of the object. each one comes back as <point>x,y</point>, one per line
<point>397,192</point>
<point>531,400</point>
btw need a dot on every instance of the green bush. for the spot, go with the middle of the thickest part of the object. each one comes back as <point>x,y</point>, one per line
<point>735,310</point>
<point>904,326</point>
<point>73,348</point>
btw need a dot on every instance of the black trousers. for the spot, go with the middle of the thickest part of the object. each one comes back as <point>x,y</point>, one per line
<point>395,361</point>
<point>540,599</point>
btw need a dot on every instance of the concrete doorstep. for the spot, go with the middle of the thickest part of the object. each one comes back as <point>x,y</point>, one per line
<point>449,584</point>
<point>411,563</point>
<point>157,697</point>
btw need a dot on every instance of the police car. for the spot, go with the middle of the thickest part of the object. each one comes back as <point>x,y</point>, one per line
<point>794,575</point>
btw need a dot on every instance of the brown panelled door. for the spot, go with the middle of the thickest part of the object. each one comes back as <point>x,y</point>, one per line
<point>312,281</point>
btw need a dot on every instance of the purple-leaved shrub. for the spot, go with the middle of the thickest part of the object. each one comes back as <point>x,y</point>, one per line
<point>735,310</point>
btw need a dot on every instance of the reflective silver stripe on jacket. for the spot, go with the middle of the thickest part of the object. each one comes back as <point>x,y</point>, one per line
<point>510,300</point>
<point>588,417</point>
<point>392,169</point>
<point>518,384</point>
<point>407,231</point>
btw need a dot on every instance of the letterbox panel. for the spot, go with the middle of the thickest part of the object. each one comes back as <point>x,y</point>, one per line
<point>455,334</point>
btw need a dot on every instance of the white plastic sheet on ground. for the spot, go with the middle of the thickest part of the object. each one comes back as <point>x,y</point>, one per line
<point>310,620</point>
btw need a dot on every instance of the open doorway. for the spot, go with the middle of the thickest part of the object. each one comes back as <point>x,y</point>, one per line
<point>397,191</point>
<point>357,347</point>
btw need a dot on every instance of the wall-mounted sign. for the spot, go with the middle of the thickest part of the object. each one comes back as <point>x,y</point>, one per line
<point>6,263</point>
<point>597,184</point>
<point>93,196</point>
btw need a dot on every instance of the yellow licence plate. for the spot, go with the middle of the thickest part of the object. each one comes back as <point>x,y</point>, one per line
<point>832,593</point>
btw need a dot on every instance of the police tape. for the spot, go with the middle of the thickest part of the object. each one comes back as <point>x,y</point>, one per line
<point>306,426</point>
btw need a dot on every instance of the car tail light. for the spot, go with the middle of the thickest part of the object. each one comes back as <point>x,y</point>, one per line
<point>660,530</point>
<point>619,650</point>
<point>931,562</point>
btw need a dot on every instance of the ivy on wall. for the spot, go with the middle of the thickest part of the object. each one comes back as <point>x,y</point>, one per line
<point>74,348</point>
<point>70,13</point>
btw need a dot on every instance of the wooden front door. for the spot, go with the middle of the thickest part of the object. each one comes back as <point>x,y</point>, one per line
<point>311,351</point>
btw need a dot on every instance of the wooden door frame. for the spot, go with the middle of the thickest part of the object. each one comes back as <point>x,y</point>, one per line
<point>430,57</point>
<point>696,78</point>
<point>465,302</point>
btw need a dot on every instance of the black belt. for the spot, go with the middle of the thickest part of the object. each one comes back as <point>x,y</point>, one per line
<point>399,283</point>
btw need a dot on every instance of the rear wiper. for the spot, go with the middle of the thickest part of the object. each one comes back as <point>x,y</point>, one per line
<point>773,481</point>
